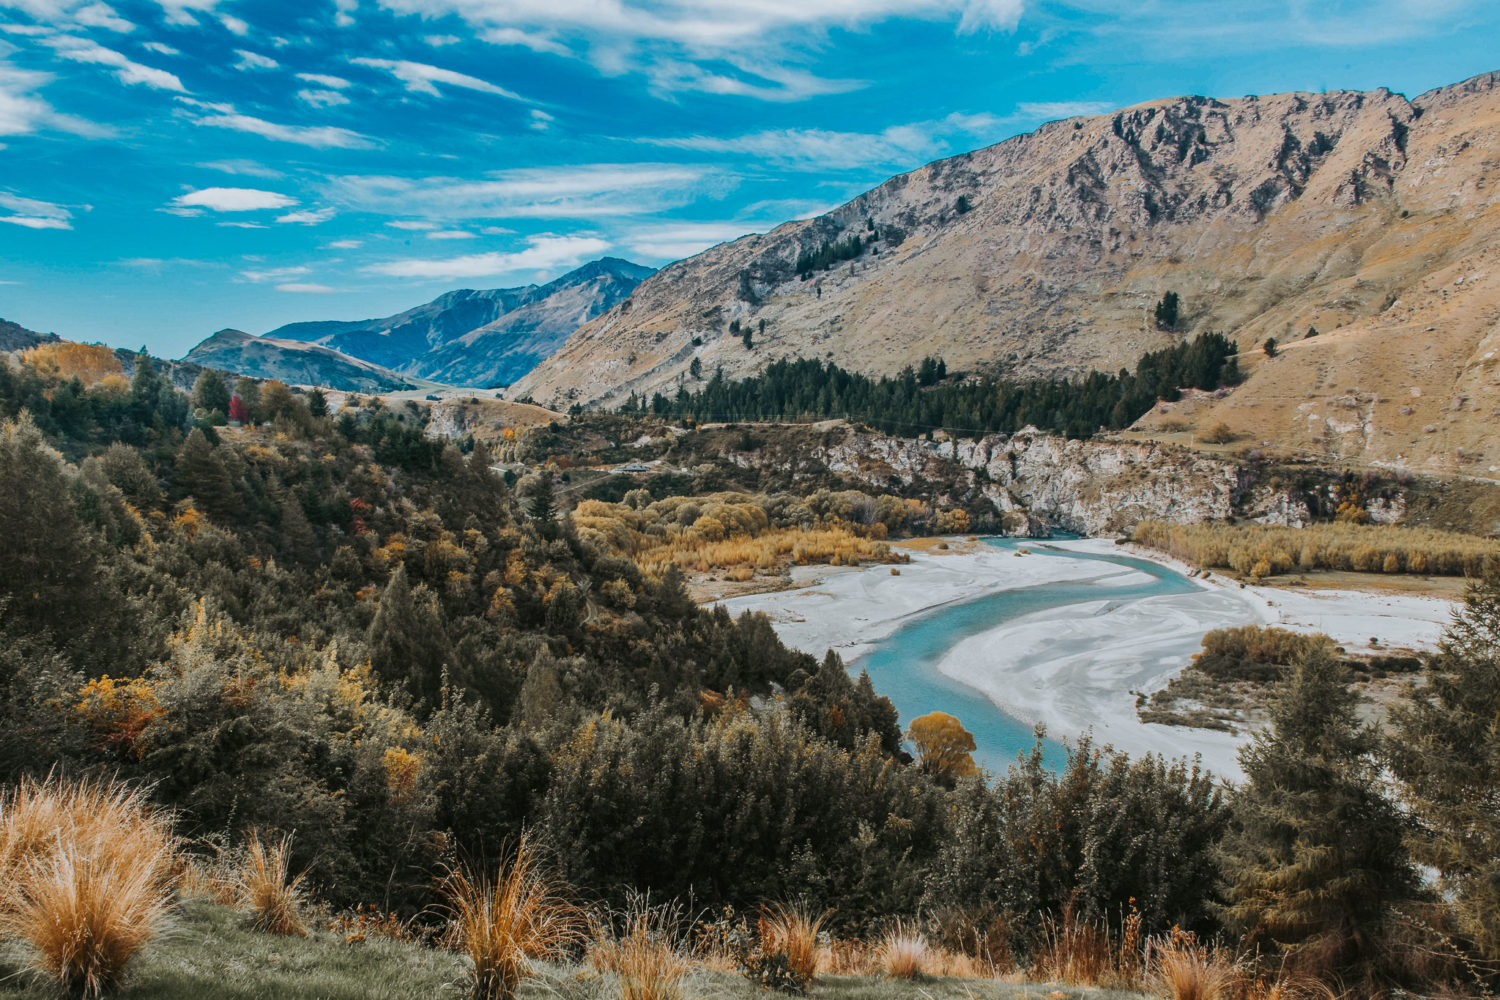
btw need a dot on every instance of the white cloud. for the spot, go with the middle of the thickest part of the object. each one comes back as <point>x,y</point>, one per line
<point>345,11</point>
<point>273,274</point>
<point>821,149</point>
<point>321,98</point>
<point>181,12</point>
<point>242,225</point>
<point>33,213</point>
<point>1056,110</point>
<point>345,244</point>
<point>540,120</point>
<point>676,241</point>
<point>248,168</point>
<point>527,39</point>
<point>308,217</point>
<point>323,80</point>
<point>98,15</point>
<point>590,191</point>
<point>438,41</point>
<point>411,224</point>
<point>545,253</point>
<point>161,48</point>
<point>22,112</point>
<point>254,60</point>
<point>452,234</point>
<point>224,199</point>
<point>83,50</point>
<point>305,288</point>
<point>422,79</point>
<point>684,44</point>
<point>317,136</point>
<point>234,25</point>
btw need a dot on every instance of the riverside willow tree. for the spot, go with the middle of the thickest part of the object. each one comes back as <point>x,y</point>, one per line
<point>1315,855</point>
<point>1446,752</point>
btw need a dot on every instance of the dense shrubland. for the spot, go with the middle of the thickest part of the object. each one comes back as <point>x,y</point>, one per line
<point>1268,550</point>
<point>335,626</point>
<point>915,401</point>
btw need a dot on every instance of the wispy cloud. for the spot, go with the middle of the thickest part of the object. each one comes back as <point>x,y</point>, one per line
<point>308,217</point>
<point>226,199</point>
<point>452,234</point>
<point>161,48</point>
<point>345,245</point>
<point>127,71</point>
<point>324,80</point>
<point>267,275</point>
<point>305,288</point>
<point>673,241</point>
<point>254,60</point>
<point>321,98</point>
<point>247,168</point>
<point>33,213</point>
<point>23,112</point>
<point>316,136</point>
<point>820,149</point>
<point>591,191</point>
<point>545,253</point>
<point>684,45</point>
<point>420,78</point>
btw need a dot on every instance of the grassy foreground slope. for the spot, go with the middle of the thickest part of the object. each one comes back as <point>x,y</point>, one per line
<point>210,953</point>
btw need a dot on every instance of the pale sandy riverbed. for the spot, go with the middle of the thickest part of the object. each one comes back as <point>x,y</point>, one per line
<point>1075,668</point>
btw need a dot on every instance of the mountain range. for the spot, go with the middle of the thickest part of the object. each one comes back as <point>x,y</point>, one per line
<point>1367,217</point>
<point>465,337</point>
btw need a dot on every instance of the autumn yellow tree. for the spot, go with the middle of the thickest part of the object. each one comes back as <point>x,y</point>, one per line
<point>945,749</point>
<point>89,363</point>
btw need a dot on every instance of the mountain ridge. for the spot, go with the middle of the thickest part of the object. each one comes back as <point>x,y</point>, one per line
<point>1269,215</point>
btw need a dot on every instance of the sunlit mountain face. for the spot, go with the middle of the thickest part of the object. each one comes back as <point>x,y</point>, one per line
<point>170,168</point>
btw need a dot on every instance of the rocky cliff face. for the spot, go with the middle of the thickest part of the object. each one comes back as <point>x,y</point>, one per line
<point>1355,213</point>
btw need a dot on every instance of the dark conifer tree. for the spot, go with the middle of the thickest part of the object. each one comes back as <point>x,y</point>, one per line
<point>1316,853</point>
<point>1447,756</point>
<point>211,392</point>
<point>202,476</point>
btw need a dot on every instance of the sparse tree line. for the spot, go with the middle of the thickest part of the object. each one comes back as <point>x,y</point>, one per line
<point>927,398</point>
<point>342,628</point>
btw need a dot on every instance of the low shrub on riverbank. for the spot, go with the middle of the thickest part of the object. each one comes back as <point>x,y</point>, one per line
<point>1266,550</point>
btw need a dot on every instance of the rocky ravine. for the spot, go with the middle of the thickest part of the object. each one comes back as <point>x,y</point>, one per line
<point>1367,215</point>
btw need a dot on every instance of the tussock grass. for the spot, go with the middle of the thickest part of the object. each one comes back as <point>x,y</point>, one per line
<point>266,887</point>
<point>1181,968</point>
<point>792,930</point>
<point>1073,950</point>
<point>503,922</point>
<point>644,954</point>
<point>87,873</point>
<point>904,952</point>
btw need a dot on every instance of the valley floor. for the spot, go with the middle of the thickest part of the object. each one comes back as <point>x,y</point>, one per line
<point>1079,668</point>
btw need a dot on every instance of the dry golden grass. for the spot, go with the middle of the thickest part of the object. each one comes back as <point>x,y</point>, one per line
<point>503,922</point>
<point>266,887</point>
<point>1073,950</point>
<point>1266,550</point>
<point>791,929</point>
<point>904,952</point>
<point>87,873</point>
<point>644,955</point>
<point>1181,968</point>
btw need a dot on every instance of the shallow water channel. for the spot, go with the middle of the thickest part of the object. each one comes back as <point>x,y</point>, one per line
<point>904,666</point>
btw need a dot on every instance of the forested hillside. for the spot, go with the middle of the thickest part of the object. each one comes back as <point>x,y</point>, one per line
<point>335,625</point>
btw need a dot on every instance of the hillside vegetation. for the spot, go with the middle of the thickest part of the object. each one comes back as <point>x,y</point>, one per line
<point>350,666</point>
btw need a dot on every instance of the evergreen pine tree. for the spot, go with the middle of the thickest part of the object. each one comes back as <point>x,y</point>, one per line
<point>202,476</point>
<point>1447,756</point>
<point>1315,854</point>
<point>407,638</point>
<point>317,402</point>
<point>211,392</point>
<point>540,501</point>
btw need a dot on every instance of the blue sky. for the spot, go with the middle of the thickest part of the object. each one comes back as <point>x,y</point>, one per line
<point>170,168</point>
